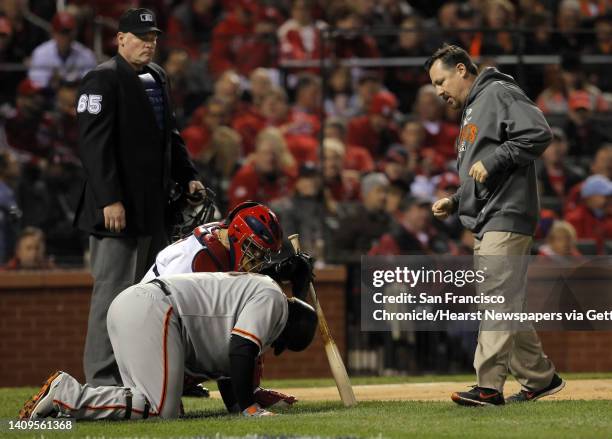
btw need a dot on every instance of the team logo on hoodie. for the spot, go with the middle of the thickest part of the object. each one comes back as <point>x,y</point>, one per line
<point>468,135</point>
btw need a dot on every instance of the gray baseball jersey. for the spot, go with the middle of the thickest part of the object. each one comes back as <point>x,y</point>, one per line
<point>212,306</point>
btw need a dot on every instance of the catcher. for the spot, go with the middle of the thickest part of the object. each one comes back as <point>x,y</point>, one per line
<point>245,241</point>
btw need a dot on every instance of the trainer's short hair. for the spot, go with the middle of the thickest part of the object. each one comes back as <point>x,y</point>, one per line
<point>451,55</point>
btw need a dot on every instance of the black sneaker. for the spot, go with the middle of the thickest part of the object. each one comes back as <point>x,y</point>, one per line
<point>526,395</point>
<point>478,396</point>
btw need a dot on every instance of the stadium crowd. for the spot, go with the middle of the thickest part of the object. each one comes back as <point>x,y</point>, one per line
<point>349,157</point>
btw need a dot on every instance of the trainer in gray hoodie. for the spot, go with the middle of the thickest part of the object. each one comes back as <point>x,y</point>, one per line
<point>503,130</point>
<point>502,134</point>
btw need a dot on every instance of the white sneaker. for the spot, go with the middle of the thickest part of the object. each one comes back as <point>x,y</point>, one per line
<point>41,405</point>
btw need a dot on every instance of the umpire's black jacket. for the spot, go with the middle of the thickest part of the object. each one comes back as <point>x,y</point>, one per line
<point>126,156</point>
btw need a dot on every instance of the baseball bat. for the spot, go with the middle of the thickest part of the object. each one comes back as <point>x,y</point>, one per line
<point>333,354</point>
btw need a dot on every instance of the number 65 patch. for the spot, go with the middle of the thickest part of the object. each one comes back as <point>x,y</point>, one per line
<point>90,103</point>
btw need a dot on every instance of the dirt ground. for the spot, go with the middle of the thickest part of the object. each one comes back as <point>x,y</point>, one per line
<point>574,390</point>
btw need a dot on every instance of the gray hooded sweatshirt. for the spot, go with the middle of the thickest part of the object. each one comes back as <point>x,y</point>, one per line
<point>503,128</point>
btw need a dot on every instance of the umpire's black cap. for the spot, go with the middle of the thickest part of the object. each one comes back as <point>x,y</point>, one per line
<point>138,21</point>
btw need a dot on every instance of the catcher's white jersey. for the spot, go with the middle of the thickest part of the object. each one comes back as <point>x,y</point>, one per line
<point>189,255</point>
<point>213,306</point>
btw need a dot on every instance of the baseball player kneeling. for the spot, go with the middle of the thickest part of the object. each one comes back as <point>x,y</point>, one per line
<point>183,321</point>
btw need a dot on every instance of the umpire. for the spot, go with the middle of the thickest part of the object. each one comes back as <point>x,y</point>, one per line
<point>133,155</point>
<point>502,134</point>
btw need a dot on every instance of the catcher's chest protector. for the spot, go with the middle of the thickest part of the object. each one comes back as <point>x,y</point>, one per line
<point>213,257</point>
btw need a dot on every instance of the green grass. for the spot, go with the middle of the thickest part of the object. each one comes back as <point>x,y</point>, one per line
<point>544,419</point>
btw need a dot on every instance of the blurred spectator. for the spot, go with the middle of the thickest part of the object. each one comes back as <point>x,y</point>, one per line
<point>299,36</point>
<point>244,40</point>
<point>305,117</point>
<point>197,135</point>
<point>228,89</point>
<point>56,196</point>
<point>375,131</point>
<point>304,211</point>
<point>368,85</point>
<point>189,80</point>
<point>271,109</point>
<point>260,84</point>
<point>556,177</point>
<point>560,242</point>
<point>59,128</point>
<point>337,100</point>
<point>9,79</point>
<point>351,41</point>
<point>601,165</point>
<point>447,21</point>
<point>30,253</point>
<point>190,25</point>
<point>570,77</point>
<point>539,36</point>
<point>9,212</point>
<point>266,176</point>
<point>421,160</point>
<point>360,224</point>
<point>357,157</point>
<point>230,34</point>
<point>592,217</point>
<point>467,18</point>
<point>585,133</point>
<point>22,126</point>
<point>602,74</point>
<point>61,58</point>
<point>593,8</point>
<point>26,35</point>
<point>499,14</point>
<point>339,185</point>
<point>412,234</point>
<point>439,134</point>
<point>568,23</point>
<point>603,35</point>
<point>219,162</point>
<point>553,99</point>
<point>389,14</point>
<point>395,166</point>
<point>404,82</point>
<point>395,194</point>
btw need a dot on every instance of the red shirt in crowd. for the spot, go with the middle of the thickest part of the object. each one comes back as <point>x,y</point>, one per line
<point>443,142</point>
<point>361,132</point>
<point>588,226</point>
<point>247,184</point>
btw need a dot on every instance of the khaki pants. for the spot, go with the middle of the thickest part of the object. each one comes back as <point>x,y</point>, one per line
<point>501,351</point>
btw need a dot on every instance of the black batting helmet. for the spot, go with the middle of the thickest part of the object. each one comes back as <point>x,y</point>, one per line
<point>300,328</point>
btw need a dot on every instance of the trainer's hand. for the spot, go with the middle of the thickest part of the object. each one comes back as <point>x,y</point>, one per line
<point>478,172</point>
<point>255,411</point>
<point>114,217</point>
<point>442,208</point>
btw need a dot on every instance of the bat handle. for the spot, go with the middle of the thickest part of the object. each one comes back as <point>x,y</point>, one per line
<point>295,241</point>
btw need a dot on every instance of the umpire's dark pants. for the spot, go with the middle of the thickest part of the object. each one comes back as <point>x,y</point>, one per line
<point>116,264</point>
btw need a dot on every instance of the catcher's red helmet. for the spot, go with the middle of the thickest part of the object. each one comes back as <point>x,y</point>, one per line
<point>254,234</point>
